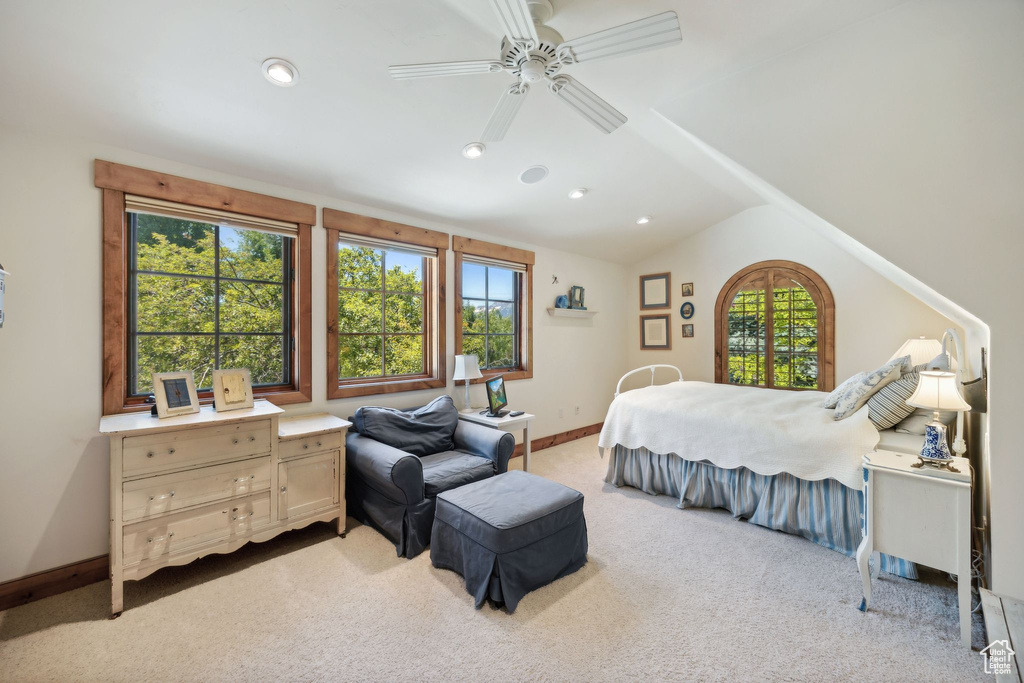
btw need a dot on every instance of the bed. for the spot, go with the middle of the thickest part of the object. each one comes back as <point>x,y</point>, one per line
<point>775,458</point>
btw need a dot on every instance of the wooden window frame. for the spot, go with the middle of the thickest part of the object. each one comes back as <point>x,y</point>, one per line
<point>826,322</point>
<point>499,252</point>
<point>341,223</point>
<point>116,181</point>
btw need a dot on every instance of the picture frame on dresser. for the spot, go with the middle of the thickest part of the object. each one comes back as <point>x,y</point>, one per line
<point>175,393</point>
<point>232,389</point>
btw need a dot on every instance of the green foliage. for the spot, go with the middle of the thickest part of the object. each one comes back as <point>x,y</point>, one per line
<point>795,338</point>
<point>380,314</point>
<point>185,306</point>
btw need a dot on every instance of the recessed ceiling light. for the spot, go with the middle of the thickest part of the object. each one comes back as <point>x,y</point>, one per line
<point>534,174</point>
<point>280,72</point>
<point>474,150</point>
<point>578,193</point>
<point>643,220</point>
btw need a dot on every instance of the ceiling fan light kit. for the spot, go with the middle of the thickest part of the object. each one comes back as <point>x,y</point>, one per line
<point>535,54</point>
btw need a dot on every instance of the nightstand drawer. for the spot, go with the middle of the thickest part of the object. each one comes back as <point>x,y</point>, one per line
<point>166,493</point>
<point>311,444</point>
<point>182,530</point>
<point>193,447</point>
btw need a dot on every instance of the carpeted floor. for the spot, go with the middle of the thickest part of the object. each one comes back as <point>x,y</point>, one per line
<point>667,594</point>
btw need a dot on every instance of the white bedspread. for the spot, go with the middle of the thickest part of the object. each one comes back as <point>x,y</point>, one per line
<point>767,431</point>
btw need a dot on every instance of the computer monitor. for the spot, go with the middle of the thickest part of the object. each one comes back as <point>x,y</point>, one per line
<point>496,399</point>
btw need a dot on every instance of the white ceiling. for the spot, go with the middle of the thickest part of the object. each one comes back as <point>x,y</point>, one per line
<point>182,81</point>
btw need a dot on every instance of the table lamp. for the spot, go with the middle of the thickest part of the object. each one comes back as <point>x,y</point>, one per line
<point>937,390</point>
<point>467,368</point>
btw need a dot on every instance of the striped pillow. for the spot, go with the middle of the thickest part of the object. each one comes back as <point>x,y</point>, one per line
<point>888,407</point>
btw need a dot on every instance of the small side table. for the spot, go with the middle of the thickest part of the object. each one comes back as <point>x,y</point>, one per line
<point>506,424</point>
<point>919,514</point>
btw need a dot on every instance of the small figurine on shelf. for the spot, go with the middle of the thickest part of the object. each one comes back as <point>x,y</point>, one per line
<point>561,301</point>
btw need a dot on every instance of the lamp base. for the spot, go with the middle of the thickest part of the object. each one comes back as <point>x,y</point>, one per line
<point>936,451</point>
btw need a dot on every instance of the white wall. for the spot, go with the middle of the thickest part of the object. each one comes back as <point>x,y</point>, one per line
<point>904,132</point>
<point>53,487</point>
<point>873,316</point>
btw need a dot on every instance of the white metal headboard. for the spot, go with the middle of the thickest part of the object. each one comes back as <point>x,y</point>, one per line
<point>652,368</point>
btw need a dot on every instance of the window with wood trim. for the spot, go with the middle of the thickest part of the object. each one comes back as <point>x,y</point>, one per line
<point>494,307</point>
<point>774,328</point>
<point>385,299</point>
<point>200,276</point>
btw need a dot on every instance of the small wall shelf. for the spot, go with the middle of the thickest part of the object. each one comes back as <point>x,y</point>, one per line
<point>571,313</point>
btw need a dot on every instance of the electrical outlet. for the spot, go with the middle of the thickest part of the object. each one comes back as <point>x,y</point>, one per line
<point>561,413</point>
<point>577,410</point>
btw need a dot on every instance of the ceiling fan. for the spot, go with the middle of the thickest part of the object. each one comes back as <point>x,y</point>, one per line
<point>535,53</point>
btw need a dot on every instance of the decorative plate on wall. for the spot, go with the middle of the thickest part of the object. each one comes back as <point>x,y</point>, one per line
<point>686,310</point>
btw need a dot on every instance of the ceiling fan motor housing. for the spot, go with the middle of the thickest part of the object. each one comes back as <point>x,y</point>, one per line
<point>533,65</point>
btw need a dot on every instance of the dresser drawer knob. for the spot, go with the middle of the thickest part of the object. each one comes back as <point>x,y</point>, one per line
<point>234,441</point>
<point>171,451</point>
<point>166,495</point>
<point>150,454</point>
<point>252,438</point>
<point>241,516</point>
<point>305,445</point>
<point>318,444</point>
<point>283,489</point>
<point>160,538</point>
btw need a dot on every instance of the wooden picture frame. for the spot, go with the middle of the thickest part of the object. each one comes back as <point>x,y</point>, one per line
<point>654,332</point>
<point>688,331</point>
<point>232,389</point>
<point>655,291</point>
<point>687,289</point>
<point>185,400</point>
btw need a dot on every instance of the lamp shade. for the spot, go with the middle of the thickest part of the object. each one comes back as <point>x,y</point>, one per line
<point>920,350</point>
<point>938,391</point>
<point>467,367</point>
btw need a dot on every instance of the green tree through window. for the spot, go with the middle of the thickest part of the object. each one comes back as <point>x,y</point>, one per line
<point>490,305</point>
<point>381,312</point>
<point>204,297</point>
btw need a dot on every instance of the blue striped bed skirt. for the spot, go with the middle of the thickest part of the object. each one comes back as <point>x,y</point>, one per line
<point>825,511</point>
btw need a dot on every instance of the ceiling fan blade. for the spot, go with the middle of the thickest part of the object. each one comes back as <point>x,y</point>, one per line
<point>588,105</point>
<point>481,66</point>
<point>504,112</point>
<point>637,36</point>
<point>516,20</point>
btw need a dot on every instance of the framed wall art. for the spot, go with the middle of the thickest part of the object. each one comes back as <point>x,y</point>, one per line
<point>687,331</point>
<point>175,393</point>
<point>686,310</point>
<point>232,389</point>
<point>687,289</point>
<point>654,332</point>
<point>655,291</point>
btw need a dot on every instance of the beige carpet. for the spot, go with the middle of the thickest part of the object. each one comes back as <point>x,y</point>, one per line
<point>667,594</point>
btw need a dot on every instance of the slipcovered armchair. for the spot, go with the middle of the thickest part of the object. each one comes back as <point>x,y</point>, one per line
<point>398,461</point>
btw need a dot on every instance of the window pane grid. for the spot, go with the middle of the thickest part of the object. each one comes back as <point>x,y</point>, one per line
<point>382,313</point>
<point>179,242</point>
<point>490,324</point>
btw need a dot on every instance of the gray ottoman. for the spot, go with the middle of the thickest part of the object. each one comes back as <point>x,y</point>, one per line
<point>508,535</point>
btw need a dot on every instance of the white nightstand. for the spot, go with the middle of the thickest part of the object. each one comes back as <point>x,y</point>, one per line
<point>919,514</point>
<point>506,424</point>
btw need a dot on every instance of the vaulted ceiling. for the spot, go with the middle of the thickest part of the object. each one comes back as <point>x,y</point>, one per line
<point>182,81</point>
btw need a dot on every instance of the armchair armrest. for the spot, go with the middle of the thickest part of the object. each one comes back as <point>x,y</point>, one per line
<point>486,442</point>
<point>393,472</point>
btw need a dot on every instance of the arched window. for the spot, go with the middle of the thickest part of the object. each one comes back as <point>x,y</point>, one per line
<point>775,328</point>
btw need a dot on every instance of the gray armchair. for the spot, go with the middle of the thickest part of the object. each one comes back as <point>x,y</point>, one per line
<point>394,490</point>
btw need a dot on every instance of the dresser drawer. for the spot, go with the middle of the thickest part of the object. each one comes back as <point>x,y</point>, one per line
<point>294,448</point>
<point>194,447</point>
<point>169,492</point>
<point>178,531</point>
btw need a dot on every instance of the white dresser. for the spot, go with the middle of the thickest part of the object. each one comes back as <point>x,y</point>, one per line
<point>188,486</point>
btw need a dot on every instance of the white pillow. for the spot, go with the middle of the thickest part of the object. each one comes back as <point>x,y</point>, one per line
<point>920,417</point>
<point>855,398</point>
<point>833,399</point>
